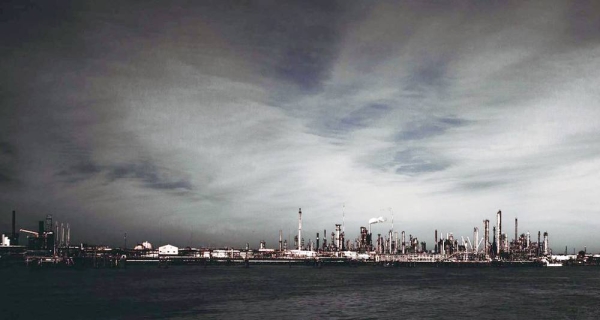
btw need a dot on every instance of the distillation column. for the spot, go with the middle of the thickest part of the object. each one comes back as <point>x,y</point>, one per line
<point>539,244</point>
<point>338,245</point>
<point>486,237</point>
<point>280,240</point>
<point>403,242</point>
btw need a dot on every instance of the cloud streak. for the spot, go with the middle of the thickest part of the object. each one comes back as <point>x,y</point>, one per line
<point>226,118</point>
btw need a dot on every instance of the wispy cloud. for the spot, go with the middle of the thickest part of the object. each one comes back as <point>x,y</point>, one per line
<point>247,112</point>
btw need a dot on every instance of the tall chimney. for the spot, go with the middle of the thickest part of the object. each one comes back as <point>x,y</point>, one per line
<point>498,231</point>
<point>299,228</point>
<point>516,231</point>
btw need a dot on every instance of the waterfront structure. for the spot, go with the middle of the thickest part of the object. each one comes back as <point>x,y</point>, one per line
<point>168,250</point>
<point>386,247</point>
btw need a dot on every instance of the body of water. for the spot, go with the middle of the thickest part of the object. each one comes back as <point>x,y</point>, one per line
<point>300,292</point>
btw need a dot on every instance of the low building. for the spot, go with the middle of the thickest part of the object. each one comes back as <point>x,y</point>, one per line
<point>168,250</point>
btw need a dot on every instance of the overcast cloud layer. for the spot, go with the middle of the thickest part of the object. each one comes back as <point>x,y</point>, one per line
<point>211,123</point>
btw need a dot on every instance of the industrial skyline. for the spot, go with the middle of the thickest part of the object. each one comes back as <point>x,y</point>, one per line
<point>50,237</point>
<point>212,122</point>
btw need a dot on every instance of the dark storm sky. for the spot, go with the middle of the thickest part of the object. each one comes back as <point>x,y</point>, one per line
<point>212,122</point>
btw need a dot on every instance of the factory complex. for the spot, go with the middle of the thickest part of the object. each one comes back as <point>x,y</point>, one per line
<point>50,246</point>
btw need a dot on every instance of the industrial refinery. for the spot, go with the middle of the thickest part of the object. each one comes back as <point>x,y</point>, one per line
<point>51,245</point>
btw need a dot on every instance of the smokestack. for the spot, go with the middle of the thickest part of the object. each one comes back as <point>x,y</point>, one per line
<point>299,228</point>
<point>545,243</point>
<point>498,231</point>
<point>516,231</point>
<point>318,241</point>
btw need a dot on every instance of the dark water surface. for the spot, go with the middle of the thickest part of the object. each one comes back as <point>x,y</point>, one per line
<point>299,292</point>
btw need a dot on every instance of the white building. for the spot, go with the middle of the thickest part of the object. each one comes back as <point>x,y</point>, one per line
<point>5,241</point>
<point>168,250</point>
<point>301,253</point>
<point>223,254</point>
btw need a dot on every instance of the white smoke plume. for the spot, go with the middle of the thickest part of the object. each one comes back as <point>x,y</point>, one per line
<point>377,220</point>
